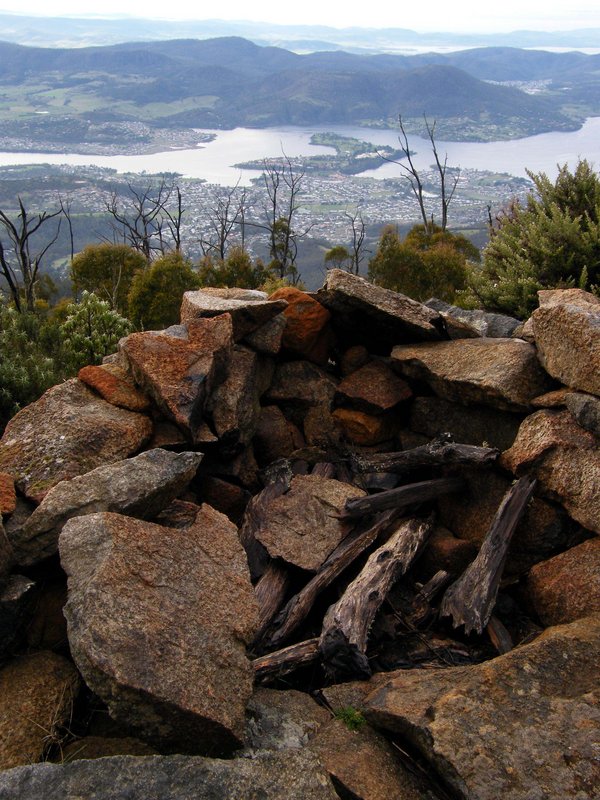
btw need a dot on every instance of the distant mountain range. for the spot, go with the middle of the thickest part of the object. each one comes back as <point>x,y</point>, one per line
<point>88,30</point>
<point>228,82</point>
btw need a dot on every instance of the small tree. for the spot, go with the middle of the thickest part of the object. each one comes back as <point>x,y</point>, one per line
<point>107,270</point>
<point>337,257</point>
<point>550,241</point>
<point>423,265</point>
<point>91,330</point>
<point>22,251</point>
<point>155,295</point>
<point>236,270</point>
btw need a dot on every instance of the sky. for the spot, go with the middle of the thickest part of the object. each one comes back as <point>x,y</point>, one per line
<point>440,15</point>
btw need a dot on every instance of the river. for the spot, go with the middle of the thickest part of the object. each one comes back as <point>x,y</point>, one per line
<point>214,161</point>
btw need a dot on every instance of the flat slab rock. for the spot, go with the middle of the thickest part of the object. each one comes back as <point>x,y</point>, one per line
<point>139,487</point>
<point>249,310</point>
<point>520,726</point>
<point>302,525</point>
<point>564,458</point>
<point>566,327</point>
<point>376,317</point>
<point>293,775</point>
<point>67,432</point>
<point>153,631</point>
<point>502,373</point>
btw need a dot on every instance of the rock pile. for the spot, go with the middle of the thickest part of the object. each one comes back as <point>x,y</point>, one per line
<point>309,546</point>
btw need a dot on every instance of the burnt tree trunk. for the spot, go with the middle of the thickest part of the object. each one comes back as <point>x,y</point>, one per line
<point>411,494</point>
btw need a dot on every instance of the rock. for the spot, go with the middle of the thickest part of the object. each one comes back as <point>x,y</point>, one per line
<point>365,429</point>
<point>362,764</point>
<point>485,323</point>
<point>8,496</point>
<point>354,358</point>
<point>181,366</point>
<point>476,425</point>
<point>15,596</point>
<point>67,432</point>
<point>6,553</point>
<point>301,383</point>
<point>226,497</point>
<point>234,406</point>
<point>564,458</point>
<point>525,331</point>
<point>445,551</point>
<point>115,385</point>
<point>267,339</point>
<point>567,587</point>
<point>502,373</point>
<point>47,629</point>
<point>241,469</point>
<point>248,311</point>
<point>279,720</point>
<point>321,428</point>
<point>544,530</point>
<point>153,631</point>
<point>99,747</point>
<point>373,389</point>
<point>302,525</point>
<point>374,317</point>
<point>275,436</point>
<point>293,775</point>
<point>139,487</point>
<point>567,334</point>
<point>586,410</point>
<point>555,399</point>
<point>167,436</point>
<point>36,700</point>
<point>520,725</point>
<point>307,324</point>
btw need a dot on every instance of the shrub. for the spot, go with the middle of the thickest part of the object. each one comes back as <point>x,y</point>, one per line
<point>107,270</point>
<point>155,295</point>
<point>91,330</point>
<point>550,241</point>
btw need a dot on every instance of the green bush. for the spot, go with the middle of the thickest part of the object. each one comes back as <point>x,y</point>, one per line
<point>237,270</point>
<point>550,241</point>
<point>155,295</point>
<point>107,270</point>
<point>91,330</point>
<point>424,265</point>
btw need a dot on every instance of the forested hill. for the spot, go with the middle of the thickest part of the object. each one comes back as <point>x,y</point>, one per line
<point>230,81</point>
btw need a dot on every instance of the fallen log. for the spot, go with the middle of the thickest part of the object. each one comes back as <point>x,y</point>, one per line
<point>299,606</point>
<point>421,605</point>
<point>411,494</point>
<point>343,641</point>
<point>287,660</point>
<point>439,452</point>
<point>470,600</point>
<point>254,517</point>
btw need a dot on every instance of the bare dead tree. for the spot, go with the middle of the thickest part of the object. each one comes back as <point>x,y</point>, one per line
<point>227,214</point>
<point>409,170</point>
<point>20,261</point>
<point>65,206</point>
<point>283,184</point>
<point>447,188</point>
<point>357,224</point>
<point>147,222</point>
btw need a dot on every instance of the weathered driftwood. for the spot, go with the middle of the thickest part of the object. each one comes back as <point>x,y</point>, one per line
<point>343,642</point>
<point>344,554</point>
<point>287,660</point>
<point>470,600</point>
<point>439,452</point>
<point>421,605</point>
<point>410,494</point>
<point>270,592</point>
<point>325,469</point>
<point>254,518</point>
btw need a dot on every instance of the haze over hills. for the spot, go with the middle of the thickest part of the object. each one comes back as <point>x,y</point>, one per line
<point>52,31</point>
<point>58,94</point>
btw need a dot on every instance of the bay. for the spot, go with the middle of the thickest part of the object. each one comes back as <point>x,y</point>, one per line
<point>215,161</point>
